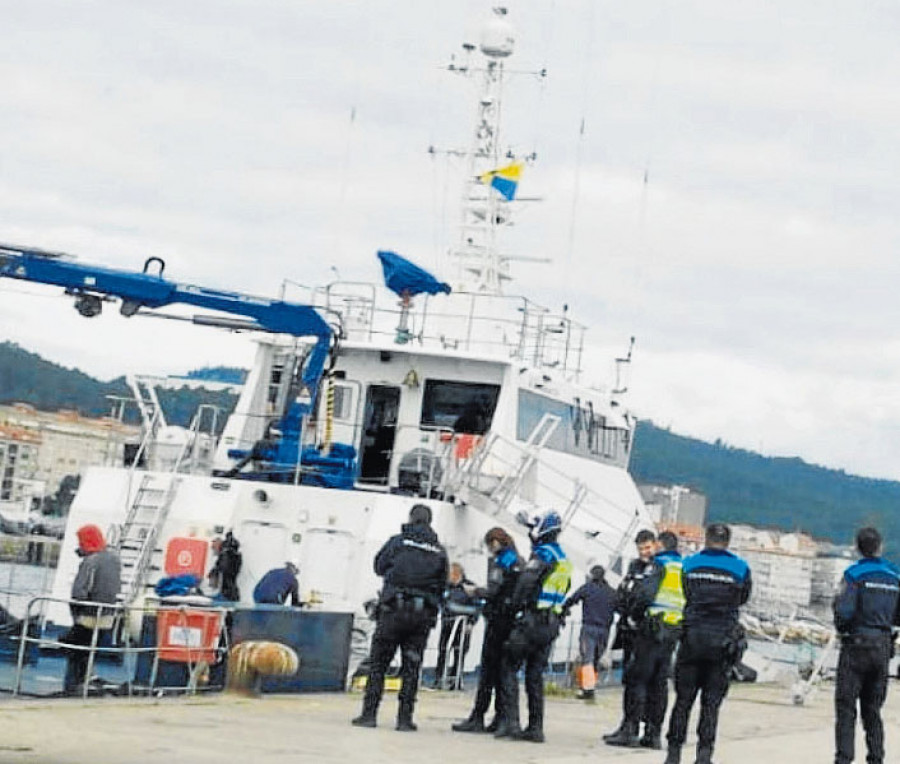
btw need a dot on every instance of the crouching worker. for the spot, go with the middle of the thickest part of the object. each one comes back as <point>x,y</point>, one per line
<point>414,567</point>
<point>538,601</point>
<point>278,586</point>
<point>98,580</point>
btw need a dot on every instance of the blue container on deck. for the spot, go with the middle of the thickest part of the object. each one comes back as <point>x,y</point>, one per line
<point>321,639</point>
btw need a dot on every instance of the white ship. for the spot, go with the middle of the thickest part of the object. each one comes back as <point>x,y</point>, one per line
<point>473,402</point>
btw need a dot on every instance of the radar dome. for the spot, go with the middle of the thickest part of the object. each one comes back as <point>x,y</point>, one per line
<point>498,38</point>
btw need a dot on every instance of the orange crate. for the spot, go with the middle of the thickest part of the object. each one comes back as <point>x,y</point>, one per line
<point>187,635</point>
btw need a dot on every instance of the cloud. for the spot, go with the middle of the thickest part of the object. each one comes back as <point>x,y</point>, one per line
<point>732,200</point>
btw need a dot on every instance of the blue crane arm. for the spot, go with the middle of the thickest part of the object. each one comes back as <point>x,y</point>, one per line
<point>151,290</point>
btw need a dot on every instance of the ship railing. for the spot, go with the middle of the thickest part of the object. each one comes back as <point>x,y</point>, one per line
<point>464,321</point>
<point>140,659</point>
<point>425,457</point>
<point>505,470</point>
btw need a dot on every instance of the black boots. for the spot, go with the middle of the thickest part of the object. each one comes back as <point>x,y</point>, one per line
<point>364,720</point>
<point>472,724</point>
<point>626,735</point>
<point>704,756</point>
<point>529,734</point>
<point>404,717</point>
<point>405,724</point>
<point>674,755</point>
<point>651,738</point>
<point>505,728</point>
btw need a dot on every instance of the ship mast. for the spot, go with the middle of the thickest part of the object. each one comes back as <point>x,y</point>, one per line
<point>480,266</point>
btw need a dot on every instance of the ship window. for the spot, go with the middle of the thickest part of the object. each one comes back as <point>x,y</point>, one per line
<point>343,400</point>
<point>459,406</point>
<point>581,429</point>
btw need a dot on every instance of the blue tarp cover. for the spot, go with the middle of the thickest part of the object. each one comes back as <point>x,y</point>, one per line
<point>176,585</point>
<point>403,277</point>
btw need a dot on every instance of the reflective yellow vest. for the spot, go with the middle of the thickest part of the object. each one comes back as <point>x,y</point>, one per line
<point>669,602</point>
<point>557,583</point>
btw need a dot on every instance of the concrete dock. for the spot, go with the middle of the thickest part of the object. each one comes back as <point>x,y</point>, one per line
<point>759,725</point>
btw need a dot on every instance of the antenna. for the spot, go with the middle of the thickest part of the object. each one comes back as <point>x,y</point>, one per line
<point>491,172</point>
<point>622,367</point>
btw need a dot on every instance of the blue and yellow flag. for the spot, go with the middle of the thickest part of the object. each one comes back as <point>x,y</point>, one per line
<point>504,179</point>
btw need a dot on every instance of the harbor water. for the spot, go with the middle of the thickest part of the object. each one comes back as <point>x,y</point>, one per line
<point>21,582</point>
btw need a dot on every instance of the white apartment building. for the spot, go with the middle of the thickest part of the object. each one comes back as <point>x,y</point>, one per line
<point>781,565</point>
<point>66,443</point>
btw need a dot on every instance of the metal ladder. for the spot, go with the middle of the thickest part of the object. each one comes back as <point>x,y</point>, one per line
<point>504,491</point>
<point>136,543</point>
<point>144,390</point>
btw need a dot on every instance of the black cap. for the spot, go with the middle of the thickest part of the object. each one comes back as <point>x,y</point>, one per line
<point>420,514</point>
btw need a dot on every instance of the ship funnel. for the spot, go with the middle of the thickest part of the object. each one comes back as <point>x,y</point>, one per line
<point>498,37</point>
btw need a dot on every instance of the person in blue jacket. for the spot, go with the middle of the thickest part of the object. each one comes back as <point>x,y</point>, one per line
<point>598,606</point>
<point>278,586</point>
<point>538,603</point>
<point>504,568</point>
<point>716,583</point>
<point>865,612</point>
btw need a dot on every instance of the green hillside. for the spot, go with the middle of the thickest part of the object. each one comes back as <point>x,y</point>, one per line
<point>742,486</point>
<point>28,378</point>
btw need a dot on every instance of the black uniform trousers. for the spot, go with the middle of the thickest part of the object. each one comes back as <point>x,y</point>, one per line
<point>496,633</point>
<point>647,676</point>
<point>405,627</point>
<point>862,676</point>
<point>529,642</point>
<point>77,659</point>
<point>461,635</point>
<point>702,667</point>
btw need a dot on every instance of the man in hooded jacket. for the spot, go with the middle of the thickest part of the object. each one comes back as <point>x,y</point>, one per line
<point>414,567</point>
<point>98,580</point>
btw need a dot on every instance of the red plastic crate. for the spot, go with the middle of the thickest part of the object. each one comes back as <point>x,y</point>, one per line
<point>187,635</point>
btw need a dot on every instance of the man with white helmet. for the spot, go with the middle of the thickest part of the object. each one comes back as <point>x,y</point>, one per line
<point>538,602</point>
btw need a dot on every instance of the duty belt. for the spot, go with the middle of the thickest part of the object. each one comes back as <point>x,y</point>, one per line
<point>403,601</point>
<point>867,639</point>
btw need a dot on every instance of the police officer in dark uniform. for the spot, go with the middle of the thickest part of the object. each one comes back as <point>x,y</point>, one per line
<point>716,583</point>
<point>865,610</point>
<point>632,598</point>
<point>646,676</point>
<point>414,567</point>
<point>504,568</point>
<point>538,601</point>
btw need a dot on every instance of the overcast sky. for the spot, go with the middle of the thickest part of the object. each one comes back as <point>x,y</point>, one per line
<point>732,203</point>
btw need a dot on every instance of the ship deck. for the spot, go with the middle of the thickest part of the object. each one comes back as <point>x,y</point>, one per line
<point>758,723</point>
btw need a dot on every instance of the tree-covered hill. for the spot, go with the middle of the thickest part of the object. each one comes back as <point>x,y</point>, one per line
<point>26,377</point>
<point>743,486</point>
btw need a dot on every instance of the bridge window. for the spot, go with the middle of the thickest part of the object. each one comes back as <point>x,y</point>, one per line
<point>580,431</point>
<point>459,406</point>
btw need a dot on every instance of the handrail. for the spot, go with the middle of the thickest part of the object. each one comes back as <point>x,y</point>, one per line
<point>546,339</point>
<point>579,502</point>
<point>119,613</point>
